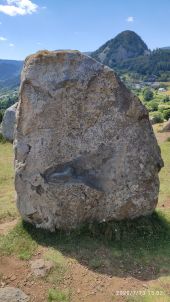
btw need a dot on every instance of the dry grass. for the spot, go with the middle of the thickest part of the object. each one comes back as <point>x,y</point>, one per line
<point>7,193</point>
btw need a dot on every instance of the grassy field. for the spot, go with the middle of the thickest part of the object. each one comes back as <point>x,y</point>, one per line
<point>7,193</point>
<point>132,254</point>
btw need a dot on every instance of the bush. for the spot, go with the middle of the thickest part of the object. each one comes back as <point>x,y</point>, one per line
<point>148,94</point>
<point>157,117</point>
<point>166,99</point>
<point>166,114</point>
<point>153,106</point>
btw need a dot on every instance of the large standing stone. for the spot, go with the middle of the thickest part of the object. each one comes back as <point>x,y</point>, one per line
<point>85,149</point>
<point>9,123</point>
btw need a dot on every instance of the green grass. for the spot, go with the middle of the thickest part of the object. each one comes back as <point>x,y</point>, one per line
<point>165,173</point>
<point>58,296</point>
<point>7,193</point>
<point>18,242</point>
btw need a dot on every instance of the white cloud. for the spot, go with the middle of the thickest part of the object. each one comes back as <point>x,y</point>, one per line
<point>130,19</point>
<point>3,39</point>
<point>18,7</point>
<point>11,45</point>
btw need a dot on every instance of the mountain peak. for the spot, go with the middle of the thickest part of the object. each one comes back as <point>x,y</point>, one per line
<point>124,46</point>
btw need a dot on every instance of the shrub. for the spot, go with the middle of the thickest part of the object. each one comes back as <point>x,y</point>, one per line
<point>166,114</point>
<point>153,106</point>
<point>166,99</point>
<point>157,117</point>
<point>148,94</point>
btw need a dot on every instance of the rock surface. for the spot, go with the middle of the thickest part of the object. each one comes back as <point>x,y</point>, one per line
<point>85,150</point>
<point>11,294</point>
<point>166,128</point>
<point>41,267</point>
<point>9,123</point>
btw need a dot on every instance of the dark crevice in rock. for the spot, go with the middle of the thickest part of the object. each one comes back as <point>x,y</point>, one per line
<point>73,172</point>
<point>39,189</point>
<point>35,218</point>
<point>29,149</point>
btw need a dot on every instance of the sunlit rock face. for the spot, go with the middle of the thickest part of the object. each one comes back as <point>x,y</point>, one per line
<point>84,149</point>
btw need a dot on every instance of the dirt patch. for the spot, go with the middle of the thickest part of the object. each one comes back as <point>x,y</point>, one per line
<point>84,285</point>
<point>7,226</point>
<point>161,136</point>
<point>165,204</point>
<point>17,273</point>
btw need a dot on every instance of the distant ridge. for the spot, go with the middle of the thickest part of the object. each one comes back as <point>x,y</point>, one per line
<point>10,73</point>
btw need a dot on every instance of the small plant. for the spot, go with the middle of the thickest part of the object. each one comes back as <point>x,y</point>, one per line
<point>58,296</point>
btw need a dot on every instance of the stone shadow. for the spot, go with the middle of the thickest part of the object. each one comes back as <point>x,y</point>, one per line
<point>138,248</point>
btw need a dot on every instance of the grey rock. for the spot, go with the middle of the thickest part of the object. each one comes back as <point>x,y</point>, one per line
<point>85,150</point>
<point>9,123</point>
<point>166,128</point>
<point>11,294</point>
<point>41,267</point>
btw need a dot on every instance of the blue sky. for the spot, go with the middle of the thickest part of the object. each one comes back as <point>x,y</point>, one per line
<point>29,25</point>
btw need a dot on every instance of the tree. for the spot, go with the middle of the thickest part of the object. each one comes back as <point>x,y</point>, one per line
<point>153,105</point>
<point>148,94</point>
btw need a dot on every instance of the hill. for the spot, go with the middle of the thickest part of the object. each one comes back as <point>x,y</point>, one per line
<point>124,46</point>
<point>128,53</point>
<point>156,66</point>
<point>10,73</point>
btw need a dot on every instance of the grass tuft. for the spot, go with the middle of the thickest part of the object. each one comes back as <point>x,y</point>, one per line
<point>57,274</point>
<point>58,296</point>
